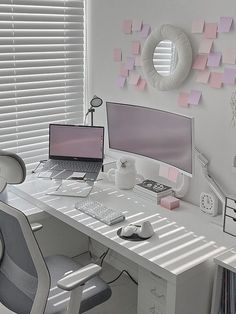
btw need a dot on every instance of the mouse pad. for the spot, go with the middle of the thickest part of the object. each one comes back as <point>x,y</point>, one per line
<point>134,237</point>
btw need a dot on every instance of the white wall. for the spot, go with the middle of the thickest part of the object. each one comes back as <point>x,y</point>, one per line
<point>214,134</point>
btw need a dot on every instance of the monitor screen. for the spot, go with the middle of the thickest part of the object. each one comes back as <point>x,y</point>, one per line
<point>157,134</point>
<point>75,141</point>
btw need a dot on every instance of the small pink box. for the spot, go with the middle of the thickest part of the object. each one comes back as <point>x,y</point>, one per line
<point>170,202</point>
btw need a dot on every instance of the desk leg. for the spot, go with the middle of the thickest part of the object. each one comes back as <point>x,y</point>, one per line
<point>217,290</point>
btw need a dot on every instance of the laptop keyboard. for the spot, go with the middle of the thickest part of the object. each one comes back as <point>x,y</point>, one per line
<point>72,165</point>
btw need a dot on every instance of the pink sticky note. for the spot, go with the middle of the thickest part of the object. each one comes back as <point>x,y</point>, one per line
<point>225,24</point>
<point>203,77</point>
<point>216,79</point>
<point>173,174</point>
<point>129,63</point>
<point>120,82</point>
<point>229,56</point>
<point>141,85</point>
<point>229,76</point>
<point>137,25</point>
<point>145,31</point>
<point>210,30</point>
<point>134,78</point>
<point>117,55</point>
<point>127,26</point>
<point>123,71</point>
<point>205,46</point>
<point>135,47</point>
<point>200,62</point>
<point>138,61</point>
<point>197,26</point>
<point>183,99</point>
<point>194,97</point>
<point>214,59</point>
<point>164,171</point>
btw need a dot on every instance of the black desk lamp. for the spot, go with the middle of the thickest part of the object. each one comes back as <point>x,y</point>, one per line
<point>94,103</point>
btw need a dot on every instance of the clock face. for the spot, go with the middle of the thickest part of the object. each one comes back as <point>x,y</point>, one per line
<point>209,203</point>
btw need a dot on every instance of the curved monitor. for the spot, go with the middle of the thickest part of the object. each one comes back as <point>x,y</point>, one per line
<point>160,135</point>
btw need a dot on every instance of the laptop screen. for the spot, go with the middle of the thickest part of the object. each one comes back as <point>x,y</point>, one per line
<point>75,142</point>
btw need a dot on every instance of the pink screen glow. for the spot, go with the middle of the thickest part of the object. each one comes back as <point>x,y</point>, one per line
<point>76,141</point>
<point>153,133</point>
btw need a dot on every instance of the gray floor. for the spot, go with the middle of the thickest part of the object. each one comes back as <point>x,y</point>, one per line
<point>124,294</point>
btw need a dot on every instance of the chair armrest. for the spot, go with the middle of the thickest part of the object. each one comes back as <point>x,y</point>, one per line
<point>78,277</point>
<point>36,227</point>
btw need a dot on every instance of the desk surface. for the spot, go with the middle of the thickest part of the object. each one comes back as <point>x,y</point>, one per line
<point>184,237</point>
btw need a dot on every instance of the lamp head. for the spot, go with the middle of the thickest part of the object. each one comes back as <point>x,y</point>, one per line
<point>96,102</point>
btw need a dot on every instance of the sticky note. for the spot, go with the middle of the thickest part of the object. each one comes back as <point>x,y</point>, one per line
<point>194,97</point>
<point>138,61</point>
<point>225,24</point>
<point>210,30</point>
<point>135,47</point>
<point>120,82</point>
<point>173,174</point>
<point>137,25</point>
<point>205,45</point>
<point>229,76</point>
<point>214,59</point>
<point>145,31</point>
<point>183,99</point>
<point>203,77</point>
<point>117,55</point>
<point>164,171</point>
<point>134,78</point>
<point>127,26</point>
<point>216,79</point>
<point>198,26</point>
<point>123,71</point>
<point>229,56</point>
<point>200,62</point>
<point>129,63</point>
<point>141,85</point>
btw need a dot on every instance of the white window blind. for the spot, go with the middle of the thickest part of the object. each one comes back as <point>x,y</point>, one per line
<point>41,72</point>
<point>165,58</point>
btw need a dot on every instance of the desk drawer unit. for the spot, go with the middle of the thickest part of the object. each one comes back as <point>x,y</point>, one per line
<point>152,292</point>
<point>230,217</point>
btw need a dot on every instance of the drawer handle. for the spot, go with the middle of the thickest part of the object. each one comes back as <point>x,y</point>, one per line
<point>234,219</point>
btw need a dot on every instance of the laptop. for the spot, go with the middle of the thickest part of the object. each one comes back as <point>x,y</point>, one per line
<point>75,152</point>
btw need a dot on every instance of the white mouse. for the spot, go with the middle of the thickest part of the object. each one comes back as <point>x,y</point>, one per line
<point>128,231</point>
<point>146,230</point>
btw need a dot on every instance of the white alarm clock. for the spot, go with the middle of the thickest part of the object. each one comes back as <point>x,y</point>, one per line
<point>209,203</point>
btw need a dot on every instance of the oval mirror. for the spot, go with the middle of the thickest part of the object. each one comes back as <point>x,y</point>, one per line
<point>180,60</point>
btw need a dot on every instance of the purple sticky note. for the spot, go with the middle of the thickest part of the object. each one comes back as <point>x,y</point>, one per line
<point>129,63</point>
<point>225,24</point>
<point>194,97</point>
<point>120,82</point>
<point>145,31</point>
<point>229,76</point>
<point>214,59</point>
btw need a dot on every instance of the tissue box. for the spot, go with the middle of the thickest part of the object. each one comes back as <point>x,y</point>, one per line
<point>169,202</point>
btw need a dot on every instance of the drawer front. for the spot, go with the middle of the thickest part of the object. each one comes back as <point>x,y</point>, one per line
<point>147,305</point>
<point>230,225</point>
<point>230,212</point>
<point>231,203</point>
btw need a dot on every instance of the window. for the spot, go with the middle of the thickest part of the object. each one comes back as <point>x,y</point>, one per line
<point>42,72</point>
<point>165,58</point>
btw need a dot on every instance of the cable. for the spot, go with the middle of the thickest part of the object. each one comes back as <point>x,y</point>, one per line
<point>102,257</point>
<point>123,271</point>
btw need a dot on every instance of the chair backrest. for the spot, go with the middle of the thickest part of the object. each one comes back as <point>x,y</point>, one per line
<point>24,277</point>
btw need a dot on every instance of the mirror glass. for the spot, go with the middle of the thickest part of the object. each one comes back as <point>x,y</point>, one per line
<point>165,58</point>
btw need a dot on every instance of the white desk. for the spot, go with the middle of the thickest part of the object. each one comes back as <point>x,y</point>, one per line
<point>175,270</point>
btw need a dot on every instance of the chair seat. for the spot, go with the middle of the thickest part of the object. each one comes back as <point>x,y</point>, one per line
<point>95,291</point>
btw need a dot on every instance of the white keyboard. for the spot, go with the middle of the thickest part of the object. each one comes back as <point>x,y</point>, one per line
<point>99,211</point>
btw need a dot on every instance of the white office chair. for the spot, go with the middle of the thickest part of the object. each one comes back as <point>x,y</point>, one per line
<point>28,282</point>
